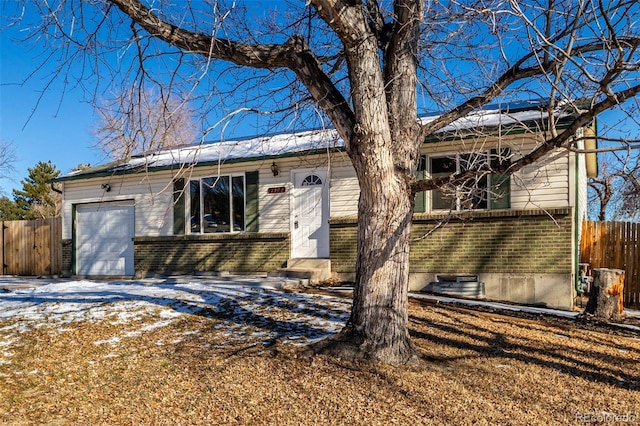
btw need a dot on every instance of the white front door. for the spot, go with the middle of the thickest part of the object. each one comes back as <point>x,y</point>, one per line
<point>104,242</point>
<point>310,215</point>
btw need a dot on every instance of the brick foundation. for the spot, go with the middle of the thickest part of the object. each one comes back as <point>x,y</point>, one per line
<point>521,256</point>
<point>238,253</point>
<point>500,241</point>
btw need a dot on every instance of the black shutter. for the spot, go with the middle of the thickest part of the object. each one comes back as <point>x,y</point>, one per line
<point>421,197</point>
<point>500,192</point>
<point>178,207</point>
<point>252,209</point>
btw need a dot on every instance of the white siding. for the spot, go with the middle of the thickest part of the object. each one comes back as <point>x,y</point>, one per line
<point>151,195</point>
<point>274,208</point>
<point>344,190</point>
<point>542,185</point>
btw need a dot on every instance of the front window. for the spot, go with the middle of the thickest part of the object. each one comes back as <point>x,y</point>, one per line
<point>217,204</point>
<point>470,195</point>
<point>444,198</point>
<point>473,192</point>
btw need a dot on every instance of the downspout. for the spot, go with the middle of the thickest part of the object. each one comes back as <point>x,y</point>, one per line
<point>54,189</point>
<point>590,170</point>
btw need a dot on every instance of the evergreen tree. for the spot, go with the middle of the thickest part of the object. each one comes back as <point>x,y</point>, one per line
<point>8,209</point>
<point>37,200</point>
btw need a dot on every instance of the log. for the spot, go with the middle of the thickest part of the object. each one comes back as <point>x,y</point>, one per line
<point>606,296</point>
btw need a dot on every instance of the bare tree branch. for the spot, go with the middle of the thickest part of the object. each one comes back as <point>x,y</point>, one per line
<point>294,54</point>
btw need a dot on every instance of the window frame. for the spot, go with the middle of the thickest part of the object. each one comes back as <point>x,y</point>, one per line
<point>458,202</point>
<point>201,214</point>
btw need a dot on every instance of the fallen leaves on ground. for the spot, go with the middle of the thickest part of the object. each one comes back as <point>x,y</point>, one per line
<point>480,368</point>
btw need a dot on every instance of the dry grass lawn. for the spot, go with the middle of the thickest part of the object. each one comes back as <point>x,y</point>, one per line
<point>480,368</point>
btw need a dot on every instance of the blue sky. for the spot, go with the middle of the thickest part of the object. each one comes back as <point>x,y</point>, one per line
<point>56,129</point>
<point>55,126</point>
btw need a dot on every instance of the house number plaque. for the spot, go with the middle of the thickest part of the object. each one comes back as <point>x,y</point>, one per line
<point>276,190</point>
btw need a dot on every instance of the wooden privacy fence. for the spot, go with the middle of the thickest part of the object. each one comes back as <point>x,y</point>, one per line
<point>614,245</point>
<point>32,247</point>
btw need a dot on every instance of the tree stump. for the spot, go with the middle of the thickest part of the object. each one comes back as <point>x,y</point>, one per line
<point>605,301</point>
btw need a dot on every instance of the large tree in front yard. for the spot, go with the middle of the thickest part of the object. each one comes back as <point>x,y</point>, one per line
<point>372,68</point>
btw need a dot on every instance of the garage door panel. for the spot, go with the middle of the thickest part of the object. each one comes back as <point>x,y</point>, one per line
<point>104,240</point>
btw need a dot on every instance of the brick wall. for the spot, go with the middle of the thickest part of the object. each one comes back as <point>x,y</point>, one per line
<point>67,256</point>
<point>480,242</point>
<point>242,253</point>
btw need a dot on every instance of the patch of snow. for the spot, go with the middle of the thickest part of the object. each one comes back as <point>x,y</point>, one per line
<point>240,308</point>
<point>6,341</point>
<point>632,313</point>
<point>112,341</point>
<point>629,326</point>
<point>169,314</point>
<point>155,325</point>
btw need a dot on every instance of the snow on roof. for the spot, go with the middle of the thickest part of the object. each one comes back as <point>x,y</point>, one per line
<point>495,118</point>
<point>261,147</point>
<point>225,151</point>
<point>265,147</point>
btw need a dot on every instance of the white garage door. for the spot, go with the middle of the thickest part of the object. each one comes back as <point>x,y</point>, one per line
<point>104,239</point>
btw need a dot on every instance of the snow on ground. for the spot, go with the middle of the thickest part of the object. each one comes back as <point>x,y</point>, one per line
<point>241,308</point>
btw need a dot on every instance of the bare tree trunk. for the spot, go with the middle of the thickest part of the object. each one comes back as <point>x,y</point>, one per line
<point>379,318</point>
<point>384,150</point>
<point>605,302</point>
<point>377,329</point>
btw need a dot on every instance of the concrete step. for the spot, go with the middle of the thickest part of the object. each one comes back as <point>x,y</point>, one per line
<point>314,276</point>
<point>313,270</point>
<point>312,263</point>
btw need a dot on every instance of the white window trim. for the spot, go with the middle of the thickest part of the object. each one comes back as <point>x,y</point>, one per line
<point>199,179</point>
<point>457,155</point>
